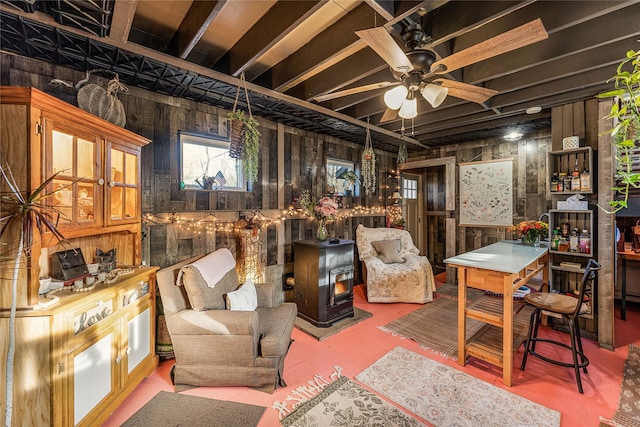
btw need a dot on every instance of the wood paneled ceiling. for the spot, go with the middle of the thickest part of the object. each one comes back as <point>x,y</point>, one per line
<point>294,51</point>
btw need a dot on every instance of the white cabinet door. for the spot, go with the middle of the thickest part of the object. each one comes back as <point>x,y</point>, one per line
<point>92,377</point>
<point>139,335</point>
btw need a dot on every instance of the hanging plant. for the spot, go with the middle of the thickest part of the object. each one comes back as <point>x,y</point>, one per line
<point>626,131</point>
<point>244,138</point>
<point>368,165</point>
<point>402,153</point>
<point>250,149</point>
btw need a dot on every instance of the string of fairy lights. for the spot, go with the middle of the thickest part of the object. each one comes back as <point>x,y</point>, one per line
<point>210,223</point>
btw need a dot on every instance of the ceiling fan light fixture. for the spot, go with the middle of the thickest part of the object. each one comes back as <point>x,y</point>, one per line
<point>394,98</point>
<point>409,107</point>
<point>435,94</point>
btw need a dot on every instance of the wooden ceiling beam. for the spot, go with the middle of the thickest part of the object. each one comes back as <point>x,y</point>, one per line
<point>326,49</point>
<point>619,25</point>
<point>123,13</point>
<point>193,26</point>
<point>356,67</point>
<point>268,31</point>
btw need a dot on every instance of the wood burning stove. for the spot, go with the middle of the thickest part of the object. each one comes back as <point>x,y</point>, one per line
<point>323,280</point>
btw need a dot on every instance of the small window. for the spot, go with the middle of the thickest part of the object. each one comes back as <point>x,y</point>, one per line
<point>206,164</point>
<point>409,188</point>
<point>342,179</point>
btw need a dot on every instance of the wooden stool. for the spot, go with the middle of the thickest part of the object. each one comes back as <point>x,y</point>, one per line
<point>569,308</point>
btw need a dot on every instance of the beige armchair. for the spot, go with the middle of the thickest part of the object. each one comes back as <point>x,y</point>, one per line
<point>393,269</point>
<point>214,346</point>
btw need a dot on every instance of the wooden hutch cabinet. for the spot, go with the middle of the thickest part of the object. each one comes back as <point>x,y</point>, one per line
<point>79,354</point>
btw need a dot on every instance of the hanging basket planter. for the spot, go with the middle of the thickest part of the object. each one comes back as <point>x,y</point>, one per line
<point>368,165</point>
<point>235,134</point>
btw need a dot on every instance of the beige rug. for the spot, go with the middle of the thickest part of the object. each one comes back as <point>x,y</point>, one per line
<point>322,333</point>
<point>445,396</point>
<point>628,413</point>
<point>174,409</point>
<point>435,325</point>
<point>345,403</point>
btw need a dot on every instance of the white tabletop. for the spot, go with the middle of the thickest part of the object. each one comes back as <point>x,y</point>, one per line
<point>508,256</point>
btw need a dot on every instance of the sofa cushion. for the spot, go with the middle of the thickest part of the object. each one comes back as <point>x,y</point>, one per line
<point>201,296</point>
<point>244,298</point>
<point>389,250</point>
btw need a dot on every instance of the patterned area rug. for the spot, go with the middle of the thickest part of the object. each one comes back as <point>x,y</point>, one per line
<point>445,396</point>
<point>628,413</point>
<point>451,291</point>
<point>173,409</point>
<point>339,403</point>
<point>435,325</point>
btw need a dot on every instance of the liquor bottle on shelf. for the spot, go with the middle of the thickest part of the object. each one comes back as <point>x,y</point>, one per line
<point>554,182</point>
<point>575,178</point>
<point>585,242</point>
<point>555,240</point>
<point>585,180</point>
<point>573,240</point>
<point>567,182</point>
<point>561,182</point>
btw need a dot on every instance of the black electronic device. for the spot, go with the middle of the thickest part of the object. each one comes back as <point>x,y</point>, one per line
<point>69,264</point>
<point>334,241</point>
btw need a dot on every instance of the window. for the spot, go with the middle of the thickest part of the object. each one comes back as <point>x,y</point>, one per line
<point>206,164</point>
<point>341,178</point>
<point>409,188</point>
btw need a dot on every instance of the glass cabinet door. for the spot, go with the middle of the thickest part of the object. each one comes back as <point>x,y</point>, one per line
<point>75,159</point>
<point>123,186</point>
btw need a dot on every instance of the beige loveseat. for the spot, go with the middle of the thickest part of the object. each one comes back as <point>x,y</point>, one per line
<point>395,271</point>
<point>214,346</point>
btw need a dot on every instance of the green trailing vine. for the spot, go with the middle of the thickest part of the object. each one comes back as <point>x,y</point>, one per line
<point>250,149</point>
<point>625,112</point>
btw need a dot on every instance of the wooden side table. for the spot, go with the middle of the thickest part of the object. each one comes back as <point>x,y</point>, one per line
<point>626,255</point>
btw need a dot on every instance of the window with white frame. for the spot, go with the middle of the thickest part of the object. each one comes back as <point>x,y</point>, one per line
<point>341,177</point>
<point>409,188</point>
<point>206,164</point>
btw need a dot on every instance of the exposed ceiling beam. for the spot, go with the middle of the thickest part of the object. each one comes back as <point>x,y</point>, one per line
<point>123,13</point>
<point>326,49</point>
<point>193,26</point>
<point>268,31</point>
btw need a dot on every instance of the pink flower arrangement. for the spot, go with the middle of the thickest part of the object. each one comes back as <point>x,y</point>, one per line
<point>325,210</point>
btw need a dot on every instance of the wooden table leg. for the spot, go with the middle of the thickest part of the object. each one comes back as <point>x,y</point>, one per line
<point>507,331</point>
<point>462,318</point>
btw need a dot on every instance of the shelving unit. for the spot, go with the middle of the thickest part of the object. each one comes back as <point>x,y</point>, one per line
<point>78,354</point>
<point>565,267</point>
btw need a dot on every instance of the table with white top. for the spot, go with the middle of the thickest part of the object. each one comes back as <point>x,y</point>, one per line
<point>500,268</point>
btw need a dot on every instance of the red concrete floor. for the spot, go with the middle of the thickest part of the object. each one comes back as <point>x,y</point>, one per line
<point>357,347</point>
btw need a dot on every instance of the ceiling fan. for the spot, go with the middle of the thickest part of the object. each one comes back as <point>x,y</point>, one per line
<point>415,69</point>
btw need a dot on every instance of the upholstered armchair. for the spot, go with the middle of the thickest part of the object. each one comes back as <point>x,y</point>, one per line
<point>393,269</point>
<point>217,345</point>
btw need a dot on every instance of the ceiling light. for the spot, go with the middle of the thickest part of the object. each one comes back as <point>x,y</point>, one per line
<point>393,98</point>
<point>409,107</point>
<point>513,136</point>
<point>434,94</point>
<point>533,110</point>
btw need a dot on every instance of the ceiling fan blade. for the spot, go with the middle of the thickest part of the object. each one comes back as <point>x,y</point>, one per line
<point>466,91</point>
<point>353,91</point>
<point>516,38</point>
<point>388,115</point>
<point>383,44</point>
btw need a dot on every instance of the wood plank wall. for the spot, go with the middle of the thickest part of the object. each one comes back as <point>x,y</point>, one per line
<point>161,118</point>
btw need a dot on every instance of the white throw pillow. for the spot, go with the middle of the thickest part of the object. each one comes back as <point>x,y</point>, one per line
<point>244,298</point>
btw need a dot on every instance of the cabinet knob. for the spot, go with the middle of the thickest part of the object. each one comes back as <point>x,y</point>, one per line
<point>112,183</point>
<point>118,359</point>
<point>128,350</point>
<point>100,181</point>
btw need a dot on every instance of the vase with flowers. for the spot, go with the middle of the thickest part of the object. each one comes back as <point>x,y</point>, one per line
<point>325,210</point>
<point>530,232</point>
